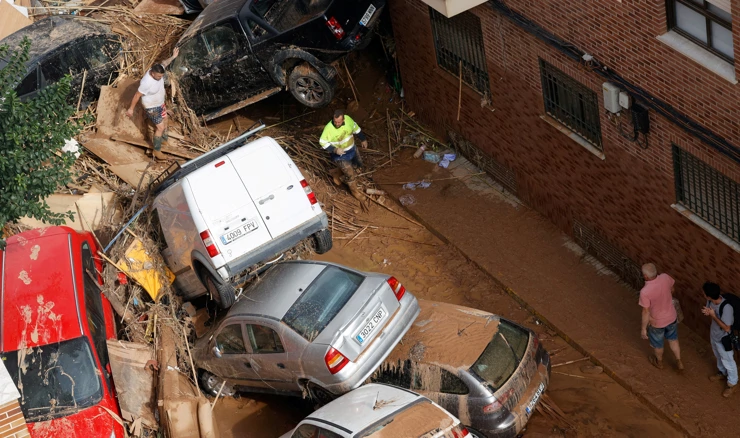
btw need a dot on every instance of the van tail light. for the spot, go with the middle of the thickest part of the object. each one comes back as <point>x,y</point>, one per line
<point>311,195</point>
<point>335,27</point>
<point>208,242</point>
<point>335,360</point>
<point>498,403</point>
<point>397,287</point>
<point>460,432</point>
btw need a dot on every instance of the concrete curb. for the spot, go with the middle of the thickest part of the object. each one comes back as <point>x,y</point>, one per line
<point>608,371</point>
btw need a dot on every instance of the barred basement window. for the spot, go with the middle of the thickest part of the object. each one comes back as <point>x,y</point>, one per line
<point>571,103</point>
<point>709,194</point>
<point>460,40</point>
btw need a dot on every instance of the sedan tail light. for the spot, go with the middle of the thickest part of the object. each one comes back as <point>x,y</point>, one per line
<point>335,27</point>
<point>397,287</point>
<point>208,242</point>
<point>311,195</point>
<point>335,360</point>
<point>459,432</point>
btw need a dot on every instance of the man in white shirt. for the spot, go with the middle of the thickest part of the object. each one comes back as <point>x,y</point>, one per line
<point>152,94</point>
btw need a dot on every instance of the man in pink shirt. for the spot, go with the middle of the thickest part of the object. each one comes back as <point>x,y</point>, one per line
<point>659,314</point>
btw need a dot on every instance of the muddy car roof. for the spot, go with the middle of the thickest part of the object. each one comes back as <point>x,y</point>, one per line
<point>364,406</point>
<point>278,289</point>
<point>213,13</point>
<point>446,334</point>
<point>51,32</point>
<point>39,288</point>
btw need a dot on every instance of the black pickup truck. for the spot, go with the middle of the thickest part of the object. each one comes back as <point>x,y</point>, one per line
<point>238,52</point>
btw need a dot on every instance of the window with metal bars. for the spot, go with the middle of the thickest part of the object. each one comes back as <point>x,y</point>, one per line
<point>708,193</point>
<point>571,103</point>
<point>705,22</point>
<point>458,42</point>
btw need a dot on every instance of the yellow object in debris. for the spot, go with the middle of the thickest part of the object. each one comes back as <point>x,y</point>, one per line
<point>139,265</point>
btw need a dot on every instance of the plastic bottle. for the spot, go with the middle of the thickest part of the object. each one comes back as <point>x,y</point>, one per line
<point>420,151</point>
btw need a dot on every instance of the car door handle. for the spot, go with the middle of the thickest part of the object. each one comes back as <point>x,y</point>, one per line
<point>281,366</point>
<point>269,198</point>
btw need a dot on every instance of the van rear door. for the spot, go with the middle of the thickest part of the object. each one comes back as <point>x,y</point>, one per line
<point>275,187</point>
<point>233,221</point>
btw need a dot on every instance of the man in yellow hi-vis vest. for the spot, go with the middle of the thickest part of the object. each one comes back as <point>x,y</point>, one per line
<point>338,139</point>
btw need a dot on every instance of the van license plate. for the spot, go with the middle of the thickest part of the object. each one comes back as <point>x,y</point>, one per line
<point>368,15</point>
<point>371,326</point>
<point>242,231</point>
<point>533,402</point>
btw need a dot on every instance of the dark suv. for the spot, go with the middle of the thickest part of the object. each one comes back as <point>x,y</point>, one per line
<point>238,52</point>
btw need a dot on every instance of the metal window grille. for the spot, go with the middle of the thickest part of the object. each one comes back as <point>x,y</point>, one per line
<point>571,103</point>
<point>458,41</point>
<point>709,194</point>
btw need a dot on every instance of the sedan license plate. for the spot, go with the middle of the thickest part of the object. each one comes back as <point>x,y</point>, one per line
<point>371,325</point>
<point>242,231</point>
<point>368,15</point>
<point>533,402</point>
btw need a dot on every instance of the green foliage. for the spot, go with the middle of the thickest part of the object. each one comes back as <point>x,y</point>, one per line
<point>32,134</point>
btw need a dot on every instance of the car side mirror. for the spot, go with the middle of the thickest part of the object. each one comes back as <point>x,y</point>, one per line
<point>216,351</point>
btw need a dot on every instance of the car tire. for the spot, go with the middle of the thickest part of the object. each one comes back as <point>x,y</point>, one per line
<point>212,383</point>
<point>322,241</point>
<point>223,293</point>
<point>319,395</point>
<point>474,433</point>
<point>309,87</point>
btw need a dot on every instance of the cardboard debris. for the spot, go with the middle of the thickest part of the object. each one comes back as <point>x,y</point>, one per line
<point>139,265</point>
<point>91,205</point>
<point>132,173</point>
<point>11,19</point>
<point>111,112</point>
<point>164,7</point>
<point>172,150</point>
<point>136,397</point>
<point>115,153</point>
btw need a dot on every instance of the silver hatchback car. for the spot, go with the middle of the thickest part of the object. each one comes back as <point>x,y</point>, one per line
<point>306,327</point>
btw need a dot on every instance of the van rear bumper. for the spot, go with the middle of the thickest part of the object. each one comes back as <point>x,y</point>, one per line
<point>276,246</point>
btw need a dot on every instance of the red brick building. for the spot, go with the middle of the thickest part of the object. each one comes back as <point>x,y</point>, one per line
<point>656,181</point>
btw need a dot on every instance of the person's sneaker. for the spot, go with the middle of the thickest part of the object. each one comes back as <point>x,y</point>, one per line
<point>679,365</point>
<point>158,155</point>
<point>717,377</point>
<point>729,390</point>
<point>656,363</point>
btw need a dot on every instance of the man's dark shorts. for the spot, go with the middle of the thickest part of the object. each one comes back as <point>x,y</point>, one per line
<point>656,335</point>
<point>157,114</point>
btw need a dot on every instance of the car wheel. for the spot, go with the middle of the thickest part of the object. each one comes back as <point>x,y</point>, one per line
<point>309,87</point>
<point>319,395</point>
<point>322,241</point>
<point>474,433</point>
<point>212,383</point>
<point>224,294</point>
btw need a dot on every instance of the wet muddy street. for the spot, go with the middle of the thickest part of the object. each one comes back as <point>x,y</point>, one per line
<point>432,270</point>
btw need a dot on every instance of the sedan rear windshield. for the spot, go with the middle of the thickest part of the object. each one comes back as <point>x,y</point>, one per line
<point>502,355</point>
<point>55,380</point>
<point>287,14</point>
<point>321,301</point>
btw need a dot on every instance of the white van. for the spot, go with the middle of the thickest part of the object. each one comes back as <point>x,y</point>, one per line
<point>227,213</point>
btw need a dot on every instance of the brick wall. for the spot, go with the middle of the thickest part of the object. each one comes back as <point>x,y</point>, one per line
<point>12,422</point>
<point>626,197</point>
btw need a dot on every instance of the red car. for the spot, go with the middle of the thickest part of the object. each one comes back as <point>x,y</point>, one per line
<point>54,323</point>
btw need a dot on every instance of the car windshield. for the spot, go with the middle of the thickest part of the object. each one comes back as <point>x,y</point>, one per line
<point>502,355</point>
<point>321,301</point>
<point>287,14</point>
<point>55,380</point>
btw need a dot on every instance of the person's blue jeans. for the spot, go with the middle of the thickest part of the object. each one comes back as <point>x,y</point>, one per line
<point>725,362</point>
<point>656,335</point>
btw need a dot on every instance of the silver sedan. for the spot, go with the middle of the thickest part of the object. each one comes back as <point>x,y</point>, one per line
<point>306,327</point>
